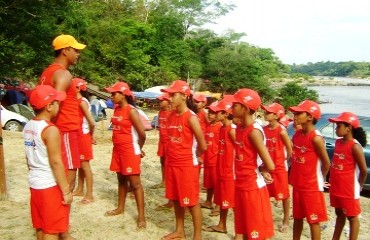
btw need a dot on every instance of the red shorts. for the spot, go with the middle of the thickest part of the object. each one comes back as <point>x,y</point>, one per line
<point>161,149</point>
<point>182,184</point>
<point>279,188</point>
<point>253,214</point>
<point>209,176</point>
<point>225,193</point>
<point>351,207</point>
<point>124,164</point>
<point>71,154</point>
<point>85,147</point>
<point>47,211</point>
<point>309,205</point>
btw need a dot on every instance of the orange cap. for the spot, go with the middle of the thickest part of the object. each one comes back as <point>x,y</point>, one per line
<point>308,106</point>
<point>64,41</point>
<point>347,117</point>
<point>42,95</point>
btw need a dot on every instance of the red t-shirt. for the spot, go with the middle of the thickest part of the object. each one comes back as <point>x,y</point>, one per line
<point>247,161</point>
<point>226,154</point>
<point>202,117</point>
<point>305,172</point>
<point>212,137</point>
<point>162,124</point>
<point>181,145</point>
<point>276,147</point>
<point>344,171</point>
<point>68,118</point>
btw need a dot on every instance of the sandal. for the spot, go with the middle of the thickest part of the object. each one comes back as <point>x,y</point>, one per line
<point>214,213</point>
<point>112,213</point>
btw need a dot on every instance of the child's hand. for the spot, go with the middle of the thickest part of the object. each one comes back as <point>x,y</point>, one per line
<point>267,177</point>
<point>326,185</point>
<point>200,160</point>
<point>67,199</point>
<point>142,154</point>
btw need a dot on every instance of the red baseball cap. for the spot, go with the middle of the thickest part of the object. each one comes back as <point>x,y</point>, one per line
<point>42,95</point>
<point>199,98</point>
<point>308,106</point>
<point>248,98</point>
<point>178,86</point>
<point>163,97</point>
<point>347,117</point>
<point>225,105</point>
<point>275,108</point>
<point>213,106</point>
<point>79,82</point>
<point>121,87</point>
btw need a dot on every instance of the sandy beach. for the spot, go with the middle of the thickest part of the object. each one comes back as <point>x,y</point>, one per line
<point>87,221</point>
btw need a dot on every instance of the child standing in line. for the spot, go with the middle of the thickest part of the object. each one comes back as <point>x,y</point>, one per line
<point>50,193</point>
<point>128,140</point>
<point>185,143</point>
<point>348,173</point>
<point>85,144</point>
<point>210,158</point>
<point>200,101</point>
<point>253,215</point>
<point>309,166</point>
<point>225,184</point>
<point>280,149</point>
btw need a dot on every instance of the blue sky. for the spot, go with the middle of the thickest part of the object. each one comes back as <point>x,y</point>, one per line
<point>302,31</point>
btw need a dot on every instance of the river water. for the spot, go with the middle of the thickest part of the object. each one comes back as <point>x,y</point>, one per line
<point>355,99</point>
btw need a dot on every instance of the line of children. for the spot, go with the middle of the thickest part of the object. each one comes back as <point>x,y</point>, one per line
<point>348,173</point>
<point>279,147</point>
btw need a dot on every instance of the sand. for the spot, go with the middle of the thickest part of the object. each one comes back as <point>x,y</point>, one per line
<point>88,221</point>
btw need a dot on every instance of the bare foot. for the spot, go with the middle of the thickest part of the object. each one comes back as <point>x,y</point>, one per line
<point>141,225</point>
<point>206,205</point>
<point>86,201</point>
<point>174,236</point>
<point>113,212</point>
<point>78,193</point>
<point>67,236</point>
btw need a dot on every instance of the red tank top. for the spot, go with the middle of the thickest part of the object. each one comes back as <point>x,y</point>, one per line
<point>305,172</point>
<point>181,145</point>
<point>212,137</point>
<point>247,174</point>
<point>68,118</point>
<point>344,171</point>
<point>226,154</point>
<point>162,123</point>
<point>276,147</point>
<point>202,120</point>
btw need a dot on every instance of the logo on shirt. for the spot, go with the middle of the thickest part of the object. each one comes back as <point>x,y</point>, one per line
<point>211,134</point>
<point>340,156</point>
<point>254,234</point>
<point>337,166</point>
<point>119,118</point>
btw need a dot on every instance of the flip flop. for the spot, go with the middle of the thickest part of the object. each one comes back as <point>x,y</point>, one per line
<point>85,201</point>
<point>214,213</point>
<point>213,229</point>
<point>202,205</point>
<point>112,213</point>
<point>283,228</point>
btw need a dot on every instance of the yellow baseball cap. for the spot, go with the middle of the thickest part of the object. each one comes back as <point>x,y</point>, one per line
<point>64,41</point>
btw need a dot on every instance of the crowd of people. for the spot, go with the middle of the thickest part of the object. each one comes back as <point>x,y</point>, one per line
<point>244,164</point>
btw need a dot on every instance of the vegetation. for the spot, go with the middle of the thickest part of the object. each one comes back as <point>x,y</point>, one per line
<point>292,93</point>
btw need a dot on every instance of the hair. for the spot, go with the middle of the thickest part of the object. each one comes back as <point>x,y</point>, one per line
<point>130,100</point>
<point>85,94</point>
<point>58,52</point>
<point>230,116</point>
<point>359,134</point>
<point>314,121</point>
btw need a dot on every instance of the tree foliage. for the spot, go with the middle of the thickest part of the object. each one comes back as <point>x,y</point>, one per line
<point>292,94</point>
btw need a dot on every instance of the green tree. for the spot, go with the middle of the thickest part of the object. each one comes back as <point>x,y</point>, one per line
<point>292,94</point>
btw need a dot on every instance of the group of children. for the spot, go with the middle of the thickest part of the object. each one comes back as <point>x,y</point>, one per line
<point>244,163</point>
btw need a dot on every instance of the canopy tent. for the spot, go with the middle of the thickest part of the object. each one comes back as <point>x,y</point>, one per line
<point>147,95</point>
<point>156,89</point>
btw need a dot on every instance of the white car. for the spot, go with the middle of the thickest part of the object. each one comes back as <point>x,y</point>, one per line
<point>12,121</point>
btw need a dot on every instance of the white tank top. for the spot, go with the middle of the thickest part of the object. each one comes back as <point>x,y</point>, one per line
<point>40,175</point>
<point>85,123</point>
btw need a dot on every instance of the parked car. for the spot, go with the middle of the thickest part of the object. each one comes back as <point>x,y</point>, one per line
<point>12,121</point>
<point>327,129</point>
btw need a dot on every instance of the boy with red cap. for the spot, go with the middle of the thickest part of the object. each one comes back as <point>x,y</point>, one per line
<point>253,215</point>
<point>210,158</point>
<point>200,101</point>
<point>185,143</point>
<point>66,51</point>
<point>225,183</point>
<point>309,166</point>
<point>280,149</point>
<point>348,173</point>
<point>50,193</point>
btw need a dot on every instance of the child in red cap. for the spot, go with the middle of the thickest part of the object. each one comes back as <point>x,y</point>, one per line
<point>309,166</point>
<point>50,193</point>
<point>253,215</point>
<point>348,173</point>
<point>128,140</point>
<point>185,143</point>
<point>280,149</point>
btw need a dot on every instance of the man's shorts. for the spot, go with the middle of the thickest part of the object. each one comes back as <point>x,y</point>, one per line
<point>209,176</point>
<point>279,188</point>
<point>310,205</point>
<point>225,193</point>
<point>85,147</point>
<point>47,211</point>
<point>71,154</point>
<point>253,214</point>
<point>182,184</point>
<point>350,207</point>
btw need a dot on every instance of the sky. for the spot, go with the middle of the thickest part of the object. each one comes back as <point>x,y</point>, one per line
<point>302,31</point>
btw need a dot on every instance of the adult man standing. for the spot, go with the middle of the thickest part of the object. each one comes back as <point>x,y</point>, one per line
<point>67,51</point>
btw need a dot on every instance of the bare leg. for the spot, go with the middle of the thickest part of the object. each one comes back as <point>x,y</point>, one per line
<point>354,227</point>
<point>50,236</point>
<point>179,214</point>
<point>286,208</point>
<point>71,177</point>
<point>162,171</point>
<point>297,228</point>
<point>86,169</point>
<point>39,234</point>
<point>315,230</point>
<point>208,202</point>
<point>80,183</point>
<point>137,188</point>
<point>339,223</point>
<point>122,191</point>
<point>221,227</point>
<point>196,214</point>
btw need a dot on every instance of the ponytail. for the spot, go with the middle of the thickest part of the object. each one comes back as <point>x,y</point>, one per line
<point>360,135</point>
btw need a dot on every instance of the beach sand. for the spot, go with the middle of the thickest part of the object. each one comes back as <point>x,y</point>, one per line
<point>88,221</point>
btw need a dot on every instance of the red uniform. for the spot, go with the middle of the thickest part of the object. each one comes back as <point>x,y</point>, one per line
<point>182,176</point>
<point>279,188</point>
<point>126,157</point>
<point>210,157</point>
<point>255,218</point>
<point>225,185</point>
<point>202,117</point>
<point>307,179</point>
<point>163,135</point>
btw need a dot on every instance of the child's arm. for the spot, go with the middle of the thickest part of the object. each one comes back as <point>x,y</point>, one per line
<point>358,155</point>
<point>51,138</point>
<point>287,142</point>
<point>85,110</point>
<point>198,134</point>
<point>256,138</point>
<point>319,145</point>
<point>138,125</point>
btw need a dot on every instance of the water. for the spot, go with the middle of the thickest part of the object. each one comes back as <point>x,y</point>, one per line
<point>355,99</point>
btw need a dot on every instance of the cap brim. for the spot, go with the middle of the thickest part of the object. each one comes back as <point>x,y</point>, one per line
<point>61,96</point>
<point>335,120</point>
<point>267,109</point>
<point>296,109</point>
<point>78,46</point>
<point>213,108</point>
<point>109,89</point>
